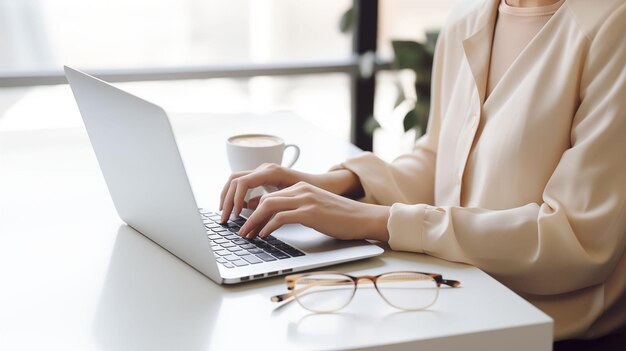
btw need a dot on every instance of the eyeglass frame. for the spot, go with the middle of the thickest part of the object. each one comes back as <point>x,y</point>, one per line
<point>291,280</point>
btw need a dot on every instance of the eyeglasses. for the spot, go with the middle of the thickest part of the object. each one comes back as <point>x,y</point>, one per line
<point>332,291</point>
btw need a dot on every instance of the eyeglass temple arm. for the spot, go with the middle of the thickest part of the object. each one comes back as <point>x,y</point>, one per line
<point>449,282</point>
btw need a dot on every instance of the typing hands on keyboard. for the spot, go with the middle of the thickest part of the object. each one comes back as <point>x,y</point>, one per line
<point>232,250</point>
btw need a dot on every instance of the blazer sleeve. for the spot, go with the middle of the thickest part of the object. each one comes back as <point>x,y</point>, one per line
<point>411,177</point>
<point>578,233</point>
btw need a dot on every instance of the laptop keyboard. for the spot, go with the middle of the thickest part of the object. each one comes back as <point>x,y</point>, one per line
<point>232,250</point>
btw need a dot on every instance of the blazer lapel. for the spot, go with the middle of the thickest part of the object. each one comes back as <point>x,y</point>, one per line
<point>477,46</point>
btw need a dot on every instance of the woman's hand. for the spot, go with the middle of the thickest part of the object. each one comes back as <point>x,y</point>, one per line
<point>342,182</point>
<point>319,209</point>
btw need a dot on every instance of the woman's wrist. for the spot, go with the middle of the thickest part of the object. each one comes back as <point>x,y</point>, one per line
<point>375,218</point>
<point>341,182</point>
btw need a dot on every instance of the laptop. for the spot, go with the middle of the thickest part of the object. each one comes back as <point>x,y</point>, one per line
<point>139,158</point>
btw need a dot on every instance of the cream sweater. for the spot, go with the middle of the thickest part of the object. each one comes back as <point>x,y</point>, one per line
<point>515,28</point>
<point>538,200</point>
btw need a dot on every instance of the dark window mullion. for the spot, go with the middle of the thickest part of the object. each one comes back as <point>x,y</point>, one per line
<point>363,88</point>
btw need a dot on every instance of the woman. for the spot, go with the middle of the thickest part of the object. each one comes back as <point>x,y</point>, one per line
<point>522,171</point>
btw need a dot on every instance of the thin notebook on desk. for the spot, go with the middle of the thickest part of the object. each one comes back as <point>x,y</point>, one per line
<point>139,158</point>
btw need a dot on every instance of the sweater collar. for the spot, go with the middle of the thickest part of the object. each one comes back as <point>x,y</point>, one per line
<point>477,45</point>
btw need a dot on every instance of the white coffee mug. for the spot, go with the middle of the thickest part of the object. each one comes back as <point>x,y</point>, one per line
<point>248,151</point>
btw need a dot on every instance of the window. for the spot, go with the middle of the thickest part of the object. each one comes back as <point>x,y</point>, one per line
<point>127,37</point>
<point>95,34</point>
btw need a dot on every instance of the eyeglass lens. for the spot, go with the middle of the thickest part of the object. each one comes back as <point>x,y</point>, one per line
<point>408,291</point>
<point>324,292</point>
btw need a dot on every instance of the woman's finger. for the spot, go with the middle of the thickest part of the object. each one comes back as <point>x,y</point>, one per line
<point>291,191</point>
<point>246,183</point>
<point>282,218</point>
<point>228,200</point>
<point>227,186</point>
<point>268,207</point>
<point>255,231</point>
<point>253,203</point>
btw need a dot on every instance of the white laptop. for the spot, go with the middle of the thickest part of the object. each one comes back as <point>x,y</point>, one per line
<point>140,161</point>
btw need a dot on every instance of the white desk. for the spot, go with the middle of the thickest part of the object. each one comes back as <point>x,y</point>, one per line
<point>74,277</point>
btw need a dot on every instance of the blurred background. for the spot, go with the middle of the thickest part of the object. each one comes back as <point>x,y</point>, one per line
<point>209,56</point>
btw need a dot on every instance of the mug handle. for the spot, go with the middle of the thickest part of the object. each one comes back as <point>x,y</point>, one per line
<point>296,154</point>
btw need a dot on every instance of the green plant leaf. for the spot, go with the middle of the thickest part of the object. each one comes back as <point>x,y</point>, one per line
<point>418,117</point>
<point>422,109</point>
<point>411,55</point>
<point>409,120</point>
<point>346,23</point>
<point>370,125</point>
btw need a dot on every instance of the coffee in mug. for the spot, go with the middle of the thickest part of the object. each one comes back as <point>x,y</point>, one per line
<point>255,140</point>
<point>248,151</point>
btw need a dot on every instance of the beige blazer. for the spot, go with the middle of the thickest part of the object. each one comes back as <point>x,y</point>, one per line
<point>530,184</point>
